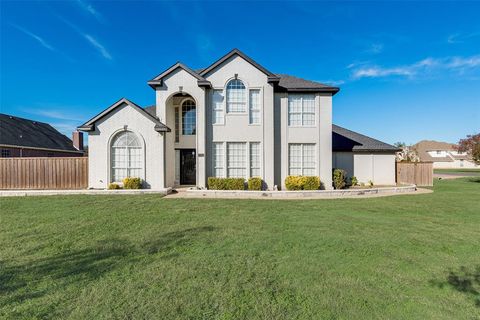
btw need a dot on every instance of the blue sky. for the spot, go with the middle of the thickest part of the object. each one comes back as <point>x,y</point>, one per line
<point>407,71</point>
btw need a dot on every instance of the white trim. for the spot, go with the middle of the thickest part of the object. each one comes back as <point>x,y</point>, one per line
<point>109,153</point>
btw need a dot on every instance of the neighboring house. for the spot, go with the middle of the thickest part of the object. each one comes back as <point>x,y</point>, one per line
<point>21,137</point>
<point>232,119</point>
<point>443,155</point>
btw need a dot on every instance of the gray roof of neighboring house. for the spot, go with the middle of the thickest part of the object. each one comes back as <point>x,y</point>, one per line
<point>16,131</point>
<point>347,140</point>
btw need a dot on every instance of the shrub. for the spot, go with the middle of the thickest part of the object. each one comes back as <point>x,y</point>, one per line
<point>302,183</point>
<point>255,184</point>
<point>113,186</point>
<point>339,178</point>
<point>226,183</point>
<point>132,183</point>
<point>370,183</point>
<point>294,182</point>
<point>311,183</point>
<point>354,181</point>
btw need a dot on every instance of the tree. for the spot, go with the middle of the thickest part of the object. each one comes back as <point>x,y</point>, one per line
<point>471,145</point>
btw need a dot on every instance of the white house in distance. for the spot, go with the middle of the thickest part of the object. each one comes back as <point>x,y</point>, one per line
<point>443,155</point>
<point>232,119</point>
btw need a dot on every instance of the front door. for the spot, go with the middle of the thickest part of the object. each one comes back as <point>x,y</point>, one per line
<point>187,166</point>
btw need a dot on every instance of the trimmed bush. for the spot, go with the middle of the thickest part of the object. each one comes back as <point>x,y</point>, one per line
<point>302,183</point>
<point>311,183</point>
<point>132,183</point>
<point>226,183</point>
<point>113,186</point>
<point>294,182</point>
<point>255,183</point>
<point>339,178</point>
<point>353,181</point>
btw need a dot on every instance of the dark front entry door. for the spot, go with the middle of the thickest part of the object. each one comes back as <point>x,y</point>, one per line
<point>188,168</point>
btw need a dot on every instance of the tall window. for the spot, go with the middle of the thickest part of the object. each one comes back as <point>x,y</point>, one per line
<point>301,159</point>
<point>254,106</point>
<point>177,125</point>
<point>218,160</point>
<point>236,159</point>
<point>217,107</point>
<point>189,118</point>
<point>236,97</point>
<point>255,159</point>
<point>5,153</point>
<point>126,156</point>
<point>301,110</point>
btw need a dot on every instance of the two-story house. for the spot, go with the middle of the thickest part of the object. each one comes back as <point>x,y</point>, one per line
<point>232,119</point>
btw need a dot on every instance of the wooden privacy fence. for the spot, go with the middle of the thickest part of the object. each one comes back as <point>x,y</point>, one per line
<point>44,173</point>
<point>419,173</point>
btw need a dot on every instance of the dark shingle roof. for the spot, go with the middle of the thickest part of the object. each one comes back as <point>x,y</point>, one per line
<point>15,131</point>
<point>291,83</point>
<point>347,140</point>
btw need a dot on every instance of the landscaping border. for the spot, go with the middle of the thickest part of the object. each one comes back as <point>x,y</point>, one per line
<point>314,194</point>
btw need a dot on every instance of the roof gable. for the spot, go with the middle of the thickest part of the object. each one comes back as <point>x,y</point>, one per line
<point>235,52</point>
<point>158,80</point>
<point>90,124</point>
<point>15,131</point>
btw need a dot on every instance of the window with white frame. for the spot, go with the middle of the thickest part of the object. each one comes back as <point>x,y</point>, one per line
<point>301,159</point>
<point>218,160</point>
<point>236,159</point>
<point>126,156</point>
<point>189,117</point>
<point>301,110</point>
<point>236,97</point>
<point>255,159</point>
<point>254,103</point>
<point>217,107</point>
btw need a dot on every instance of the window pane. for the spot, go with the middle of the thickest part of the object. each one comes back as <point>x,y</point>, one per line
<point>177,125</point>
<point>217,107</point>
<point>294,110</point>
<point>188,117</point>
<point>126,156</point>
<point>255,159</point>
<point>295,159</point>
<point>236,96</point>
<point>218,160</point>
<point>236,162</point>
<point>254,106</point>
<point>308,118</point>
<point>309,160</point>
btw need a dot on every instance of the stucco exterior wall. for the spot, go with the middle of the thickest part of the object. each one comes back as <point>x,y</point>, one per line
<point>236,127</point>
<point>125,116</point>
<point>172,84</point>
<point>378,168</point>
<point>320,135</point>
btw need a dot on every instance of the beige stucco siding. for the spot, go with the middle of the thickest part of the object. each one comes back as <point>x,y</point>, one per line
<point>236,127</point>
<point>133,120</point>
<point>378,168</point>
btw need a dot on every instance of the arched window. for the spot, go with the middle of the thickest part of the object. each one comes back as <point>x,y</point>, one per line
<point>126,156</point>
<point>236,96</point>
<point>189,117</point>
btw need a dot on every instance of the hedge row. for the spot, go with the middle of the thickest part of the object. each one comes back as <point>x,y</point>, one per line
<point>302,183</point>
<point>234,183</point>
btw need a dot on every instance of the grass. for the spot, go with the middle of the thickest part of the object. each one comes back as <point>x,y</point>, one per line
<point>136,257</point>
<point>465,171</point>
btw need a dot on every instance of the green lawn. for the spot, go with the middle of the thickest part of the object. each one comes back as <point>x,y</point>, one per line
<point>465,171</point>
<point>144,257</point>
